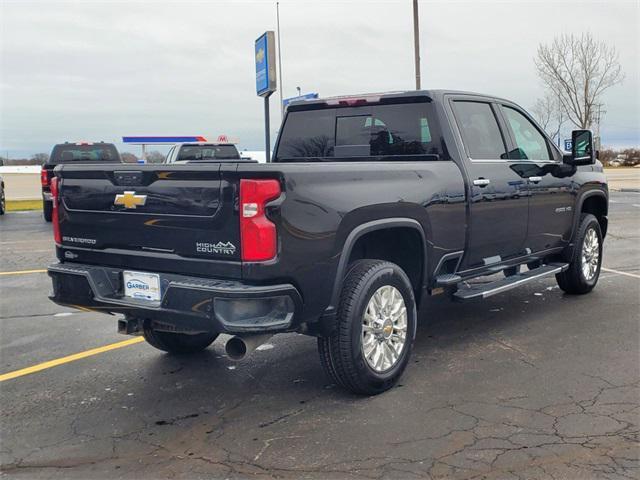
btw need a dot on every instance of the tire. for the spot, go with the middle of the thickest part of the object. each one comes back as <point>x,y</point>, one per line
<point>342,353</point>
<point>3,204</point>
<point>178,343</point>
<point>578,279</point>
<point>47,210</point>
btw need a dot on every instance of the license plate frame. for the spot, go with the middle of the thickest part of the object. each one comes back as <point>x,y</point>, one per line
<point>141,285</point>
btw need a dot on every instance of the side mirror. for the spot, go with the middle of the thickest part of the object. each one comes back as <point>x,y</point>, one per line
<point>582,150</point>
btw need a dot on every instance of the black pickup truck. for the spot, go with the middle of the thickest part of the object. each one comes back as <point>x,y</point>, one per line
<point>80,152</point>
<point>370,203</point>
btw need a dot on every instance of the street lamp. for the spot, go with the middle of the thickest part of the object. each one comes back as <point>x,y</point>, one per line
<point>416,42</point>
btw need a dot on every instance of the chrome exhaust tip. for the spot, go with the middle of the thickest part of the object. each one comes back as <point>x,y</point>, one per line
<point>238,347</point>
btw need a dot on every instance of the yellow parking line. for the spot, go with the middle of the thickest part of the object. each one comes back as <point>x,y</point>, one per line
<point>23,272</point>
<point>627,274</point>
<point>69,358</point>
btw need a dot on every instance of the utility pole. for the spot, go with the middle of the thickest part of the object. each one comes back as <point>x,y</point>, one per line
<point>416,42</point>
<point>279,59</point>
<point>599,113</point>
<point>560,119</point>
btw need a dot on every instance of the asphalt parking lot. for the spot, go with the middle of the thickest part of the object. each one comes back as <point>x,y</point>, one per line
<point>529,384</point>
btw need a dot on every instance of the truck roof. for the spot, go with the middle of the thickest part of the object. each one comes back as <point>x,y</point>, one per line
<point>204,144</point>
<point>430,94</point>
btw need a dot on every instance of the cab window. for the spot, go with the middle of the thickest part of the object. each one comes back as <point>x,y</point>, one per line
<point>530,143</point>
<point>479,129</point>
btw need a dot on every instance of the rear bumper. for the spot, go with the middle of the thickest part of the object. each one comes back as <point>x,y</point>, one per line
<point>188,304</point>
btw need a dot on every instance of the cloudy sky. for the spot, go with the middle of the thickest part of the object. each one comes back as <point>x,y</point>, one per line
<point>103,69</point>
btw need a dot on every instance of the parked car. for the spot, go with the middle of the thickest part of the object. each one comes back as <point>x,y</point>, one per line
<point>204,152</point>
<point>3,203</point>
<point>370,204</point>
<point>81,152</point>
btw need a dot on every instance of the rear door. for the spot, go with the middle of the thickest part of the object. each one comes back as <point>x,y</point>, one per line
<point>548,181</point>
<point>498,214</point>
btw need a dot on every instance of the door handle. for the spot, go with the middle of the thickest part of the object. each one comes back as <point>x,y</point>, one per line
<point>481,182</point>
<point>535,179</point>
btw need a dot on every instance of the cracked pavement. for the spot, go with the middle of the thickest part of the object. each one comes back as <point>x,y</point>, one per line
<point>519,386</point>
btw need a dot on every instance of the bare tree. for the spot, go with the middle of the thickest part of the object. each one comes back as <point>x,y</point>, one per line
<point>548,112</point>
<point>40,158</point>
<point>128,157</point>
<point>155,157</point>
<point>578,69</point>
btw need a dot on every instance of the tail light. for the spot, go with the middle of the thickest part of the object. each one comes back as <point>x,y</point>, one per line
<point>258,237</point>
<point>44,177</point>
<point>57,237</point>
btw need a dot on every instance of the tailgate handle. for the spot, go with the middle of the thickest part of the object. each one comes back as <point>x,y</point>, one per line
<point>127,178</point>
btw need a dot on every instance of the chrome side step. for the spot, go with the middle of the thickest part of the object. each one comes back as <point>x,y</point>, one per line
<point>476,292</point>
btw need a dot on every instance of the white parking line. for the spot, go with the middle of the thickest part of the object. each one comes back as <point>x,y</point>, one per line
<point>634,275</point>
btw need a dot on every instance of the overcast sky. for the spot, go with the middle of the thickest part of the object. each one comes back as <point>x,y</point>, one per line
<point>100,70</point>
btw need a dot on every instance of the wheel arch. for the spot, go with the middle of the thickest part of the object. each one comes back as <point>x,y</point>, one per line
<point>596,203</point>
<point>367,231</point>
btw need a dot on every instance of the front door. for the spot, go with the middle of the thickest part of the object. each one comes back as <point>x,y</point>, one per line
<point>548,181</point>
<point>498,214</point>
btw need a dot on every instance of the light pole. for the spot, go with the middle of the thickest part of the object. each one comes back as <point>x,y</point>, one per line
<point>416,42</point>
<point>299,91</point>
<point>279,58</point>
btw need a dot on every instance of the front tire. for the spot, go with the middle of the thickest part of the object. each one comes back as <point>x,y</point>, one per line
<point>376,324</point>
<point>586,258</point>
<point>47,210</point>
<point>178,343</point>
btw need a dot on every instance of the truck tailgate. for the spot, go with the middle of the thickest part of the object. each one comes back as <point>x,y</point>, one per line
<point>174,212</point>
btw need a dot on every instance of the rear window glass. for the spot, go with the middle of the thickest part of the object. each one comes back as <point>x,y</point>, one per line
<point>84,153</point>
<point>351,133</point>
<point>204,153</point>
<point>480,131</point>
<point>307,134</point>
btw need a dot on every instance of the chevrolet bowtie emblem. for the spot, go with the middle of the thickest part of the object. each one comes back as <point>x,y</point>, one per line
<point>130,200</point>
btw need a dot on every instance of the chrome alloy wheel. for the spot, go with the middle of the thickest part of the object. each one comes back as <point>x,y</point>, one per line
<point>590,254</point>
<point>384,328</point>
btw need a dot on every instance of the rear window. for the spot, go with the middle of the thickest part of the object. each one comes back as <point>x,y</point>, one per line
<point>394,131</point>
<point>207,153</point>
<point>480,131</point>
<point>84,153</point>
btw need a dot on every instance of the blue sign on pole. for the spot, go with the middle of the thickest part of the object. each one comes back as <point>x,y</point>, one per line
<point>306,96</point>
<point>567,144</point>
<point>265,56</point>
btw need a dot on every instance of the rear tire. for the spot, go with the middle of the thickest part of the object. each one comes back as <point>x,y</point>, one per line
<point>47,210</point>
<point>178,343</point>
<point>376,324</point>
<point>586,258</point>
<point>3,205</point>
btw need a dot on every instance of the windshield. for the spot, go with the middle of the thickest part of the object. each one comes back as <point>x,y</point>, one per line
<point>204,153</point>
<point>84,153</point>
<point>387,131</point>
